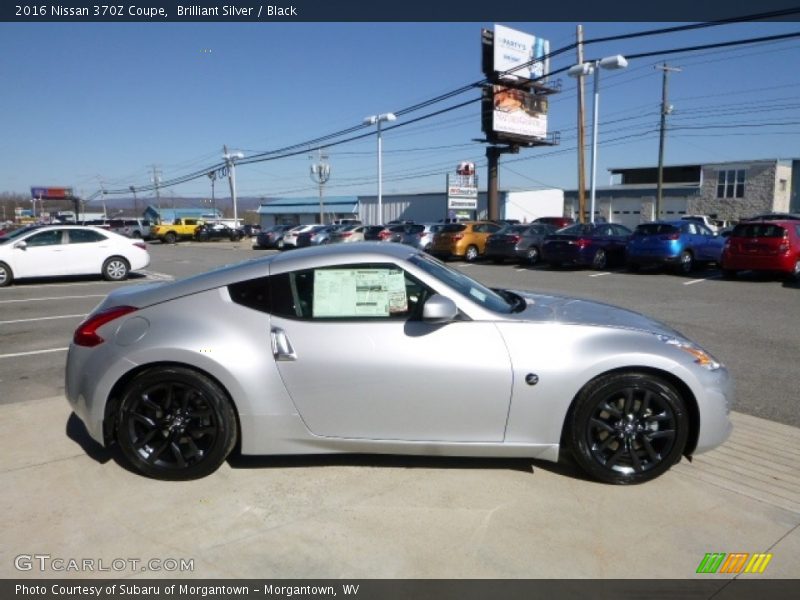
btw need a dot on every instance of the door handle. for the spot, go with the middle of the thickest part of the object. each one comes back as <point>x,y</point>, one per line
<point>281,348</point>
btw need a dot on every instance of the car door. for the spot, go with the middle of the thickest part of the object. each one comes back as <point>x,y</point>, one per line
<point>709,245</point>
<point>86,250</point>
<point>358,363</point>
<point>41,255</point>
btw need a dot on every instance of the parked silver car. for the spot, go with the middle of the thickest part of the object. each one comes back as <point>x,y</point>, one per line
<point>291,354</point>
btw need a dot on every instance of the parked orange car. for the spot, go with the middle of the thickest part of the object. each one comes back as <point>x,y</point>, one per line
<point>465,240</point>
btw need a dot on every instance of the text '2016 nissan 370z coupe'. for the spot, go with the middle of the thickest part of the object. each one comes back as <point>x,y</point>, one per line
<point>380,348</point>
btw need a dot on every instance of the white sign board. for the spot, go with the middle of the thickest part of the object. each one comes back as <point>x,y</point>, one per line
<point>513,48</point>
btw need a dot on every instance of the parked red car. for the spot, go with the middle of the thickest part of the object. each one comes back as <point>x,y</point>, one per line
<point>763,246</point>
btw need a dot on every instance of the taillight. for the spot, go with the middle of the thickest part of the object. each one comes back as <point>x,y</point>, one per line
<point>514,238</point>
<point>583,243</point>
<point>141,245</point>
<point>384,234</point>
<point>86,333</point>
<point>346,234</point>
<point>457,237</point>
<point>671,237</point>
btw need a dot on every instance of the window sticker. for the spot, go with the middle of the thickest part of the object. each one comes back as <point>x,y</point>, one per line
<point>359,293</point>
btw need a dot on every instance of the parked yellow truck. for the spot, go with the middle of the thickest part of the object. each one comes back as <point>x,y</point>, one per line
<point>180,229</point>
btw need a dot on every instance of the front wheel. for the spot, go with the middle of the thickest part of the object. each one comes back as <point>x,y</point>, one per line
<point>116,268</point>
<point>628,427</point>
<point>171,237</point>
<point>6,275</point>
<point>175,424</point>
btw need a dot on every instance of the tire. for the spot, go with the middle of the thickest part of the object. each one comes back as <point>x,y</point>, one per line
<point>685,263</point>
<point>628,428</point>
<point>170,238</point>
<point>175,424</point>
<point>600,260</point>
<point>279,245</point>
<point>6,275</point>
<point>471,255</point>
<point>793,276</point>
<point>532,255</point>
<point>116,268</point>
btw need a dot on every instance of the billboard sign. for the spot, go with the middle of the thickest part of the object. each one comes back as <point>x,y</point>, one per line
<point>462,188</point>
<point>517,113</point>
<point>51,193</point>
<point>522,54</point>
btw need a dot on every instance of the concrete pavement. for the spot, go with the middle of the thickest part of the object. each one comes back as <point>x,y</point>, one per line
<point>65,498</point>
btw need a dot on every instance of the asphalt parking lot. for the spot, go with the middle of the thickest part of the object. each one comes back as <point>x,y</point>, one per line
<point>354,516</point>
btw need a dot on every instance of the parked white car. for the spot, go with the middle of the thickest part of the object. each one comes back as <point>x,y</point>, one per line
<point>60,250</point>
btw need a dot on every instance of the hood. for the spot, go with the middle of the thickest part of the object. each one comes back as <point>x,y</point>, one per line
<point>574,311</point>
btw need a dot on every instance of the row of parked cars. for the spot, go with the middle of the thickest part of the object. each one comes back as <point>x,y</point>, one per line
<point>769,242</point>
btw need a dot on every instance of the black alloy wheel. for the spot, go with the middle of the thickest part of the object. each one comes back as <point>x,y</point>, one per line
<point>628,428</point>
<point>175,424</point>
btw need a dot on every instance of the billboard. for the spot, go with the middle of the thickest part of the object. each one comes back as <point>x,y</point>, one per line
<point>462,188</point>
<point>525,55</point>
<point>514,113</point>
<point>51,193</point>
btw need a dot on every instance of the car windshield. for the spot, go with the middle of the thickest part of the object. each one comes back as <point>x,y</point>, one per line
<point>470,288</point>
<point>10,237</point>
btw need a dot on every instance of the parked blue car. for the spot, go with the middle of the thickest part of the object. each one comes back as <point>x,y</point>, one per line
<point>681,245</point>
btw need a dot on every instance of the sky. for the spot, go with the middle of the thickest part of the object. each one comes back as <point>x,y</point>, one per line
<point>91,104</point>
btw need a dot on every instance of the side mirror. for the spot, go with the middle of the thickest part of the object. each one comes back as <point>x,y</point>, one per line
<point>439,309</point>
<point>21,245</point>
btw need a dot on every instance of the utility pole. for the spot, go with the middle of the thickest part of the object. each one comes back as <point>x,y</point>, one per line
<point>135,201</point>
<point>320,174</point>
<point>212,175</point>
<point>230,163</point>
<point>157,180</point>
<point>665,110</point>
<point>581,135</point>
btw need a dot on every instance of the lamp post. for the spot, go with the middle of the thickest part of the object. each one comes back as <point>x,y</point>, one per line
<point>587,68</point>
<point>135,201</point>
<point>230,162</point>
<point>377,120</point>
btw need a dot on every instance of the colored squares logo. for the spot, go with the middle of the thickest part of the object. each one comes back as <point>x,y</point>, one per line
<point>734,563</point>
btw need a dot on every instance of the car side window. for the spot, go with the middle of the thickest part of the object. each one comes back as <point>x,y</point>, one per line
<point>351,292</point>
<point>84,236</point>
<point>45,238</point>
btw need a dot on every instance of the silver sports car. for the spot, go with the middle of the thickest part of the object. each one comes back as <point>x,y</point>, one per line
<point>303,353</point>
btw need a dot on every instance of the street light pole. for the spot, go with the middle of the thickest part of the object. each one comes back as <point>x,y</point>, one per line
<point>320,174</point>
<point>212,175</point>
<point>588,68</point>
<point>377,120</point>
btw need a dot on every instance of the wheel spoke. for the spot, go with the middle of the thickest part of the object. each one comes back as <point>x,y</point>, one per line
<point>637,463</point>
<point>153,456</point>
<point>176,452</point>
<point>657,435</point>
<point>612,410</point>
<point>616,456</point>
<point>642,412</point>
<point>139,444</point>
<point>628,409</point>
<point>654,456</point>
<point>144,420</point>
<point>602,425</point>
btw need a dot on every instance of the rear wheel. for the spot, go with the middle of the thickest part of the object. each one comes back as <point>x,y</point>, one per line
<point>685,262</point>
<point>628,427</point>
<point>171,237</point>
<point>471,255</point>
<point>600,259</point>
<point>794,275</point>
<point>6,275</point>
<point>175,424</point>
<point>532,255</point>
<point>116,268</point>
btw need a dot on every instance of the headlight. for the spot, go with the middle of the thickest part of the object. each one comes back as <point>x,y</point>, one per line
<point>700,356</point>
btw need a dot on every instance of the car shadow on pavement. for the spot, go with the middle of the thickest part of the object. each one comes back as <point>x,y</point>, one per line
<point>76,431</point>
<point>566,466</point>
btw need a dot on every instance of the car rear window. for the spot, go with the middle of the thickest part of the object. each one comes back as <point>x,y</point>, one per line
<point>655,229</point>
<point>453,228</point>
<point>754,230</point>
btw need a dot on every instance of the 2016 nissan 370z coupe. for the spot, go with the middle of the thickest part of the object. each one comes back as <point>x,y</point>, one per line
<point>379,348</point>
